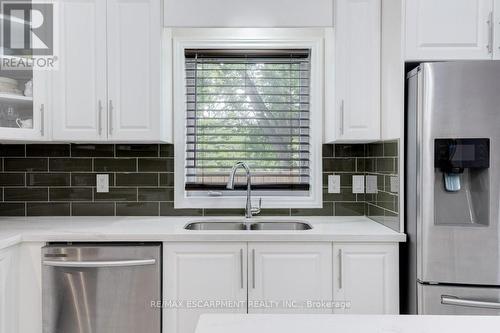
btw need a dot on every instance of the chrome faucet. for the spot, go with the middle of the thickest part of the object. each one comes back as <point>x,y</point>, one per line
<point>249,211</point>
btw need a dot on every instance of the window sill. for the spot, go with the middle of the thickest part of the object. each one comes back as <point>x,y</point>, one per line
<point>240,201</point>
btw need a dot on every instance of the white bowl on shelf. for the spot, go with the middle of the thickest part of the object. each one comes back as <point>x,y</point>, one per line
<point>7,81</point>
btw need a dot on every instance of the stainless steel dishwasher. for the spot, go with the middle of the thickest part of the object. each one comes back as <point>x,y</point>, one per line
<point>101,288</point>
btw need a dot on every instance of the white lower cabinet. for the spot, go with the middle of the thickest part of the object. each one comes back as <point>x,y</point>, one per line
<point>29,292</point>
<point>366,276</point>
<point>204,272</point>
<point>277,277</point>
<point>287,277</point>
<point>231,277</point>
<point>8,287</point>
<point>198,273</point>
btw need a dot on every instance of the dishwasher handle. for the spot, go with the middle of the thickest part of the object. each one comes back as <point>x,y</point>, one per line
<point>100,263</point>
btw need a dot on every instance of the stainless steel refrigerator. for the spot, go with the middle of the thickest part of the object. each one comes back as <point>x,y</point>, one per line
<point>453,189</point>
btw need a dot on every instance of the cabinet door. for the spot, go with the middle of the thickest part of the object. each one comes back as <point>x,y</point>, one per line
<point>357,78</point>
<point>8,288</point>
<point>79,85</point>
<point>29,296</point>
<point>195,273</point>
<point>449,29</point>
<point>24,118</point>
<point>366,278</point>
<point>496,30</point>
<point>134,70</point>
<point>285,276</point>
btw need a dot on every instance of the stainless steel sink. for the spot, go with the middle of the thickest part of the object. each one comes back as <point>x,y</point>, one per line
<point>238,225</point>
<point>216,226</point>
<point>285,225</point>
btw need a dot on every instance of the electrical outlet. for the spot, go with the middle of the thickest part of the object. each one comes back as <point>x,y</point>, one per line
<point>358,184</point>
<point>102,183</point>
<point>333,183</point>
<point>394,184</point>
<point>371,184</point>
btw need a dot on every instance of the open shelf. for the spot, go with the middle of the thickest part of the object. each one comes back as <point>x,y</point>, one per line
<point>19,100</point>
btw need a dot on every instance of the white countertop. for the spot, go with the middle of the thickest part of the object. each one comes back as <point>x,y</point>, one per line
<point>276,323</point>
<point>325,228</point>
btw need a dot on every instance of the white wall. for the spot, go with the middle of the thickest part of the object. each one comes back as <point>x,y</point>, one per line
<point>248,13</point>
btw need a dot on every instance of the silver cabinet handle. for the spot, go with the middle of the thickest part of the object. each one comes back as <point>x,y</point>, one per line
<point>342,117</point>
<point>490,33</point>
<point>253,268</point>
<point>241,268</point>
<point>104,263</point>
<point>340,268</point>
<point>42,120</point>
<point>99,114</point>
<point>453,300</point>
<point>110,110</point>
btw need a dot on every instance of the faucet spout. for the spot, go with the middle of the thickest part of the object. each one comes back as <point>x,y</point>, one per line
<point>249,211</point>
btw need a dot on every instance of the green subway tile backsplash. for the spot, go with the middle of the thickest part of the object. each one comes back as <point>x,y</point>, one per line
<point>37,180</point>
<point>382,161</point>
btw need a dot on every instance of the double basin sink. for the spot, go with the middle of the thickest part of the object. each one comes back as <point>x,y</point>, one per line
<point>239,226</point>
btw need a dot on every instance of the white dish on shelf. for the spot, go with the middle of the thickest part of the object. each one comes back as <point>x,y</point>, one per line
<point>8,81</point>
<point>11,91</point>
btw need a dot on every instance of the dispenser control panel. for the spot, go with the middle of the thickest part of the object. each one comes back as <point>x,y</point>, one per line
<point>453,155</point>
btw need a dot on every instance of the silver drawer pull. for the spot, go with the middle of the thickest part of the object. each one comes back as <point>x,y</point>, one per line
<point>241,268</point>
<point>42,120</point>
<point>340,269</point>
<point>342,117</point>
<point>104,263</point>
<point>453,300</point>
<point>253,268</point>
<point>110,117</point>
<point>490,33</point>
<point>99,107</point>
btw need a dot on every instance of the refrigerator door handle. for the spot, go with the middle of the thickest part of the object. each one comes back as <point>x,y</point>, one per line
<point>453,300</point>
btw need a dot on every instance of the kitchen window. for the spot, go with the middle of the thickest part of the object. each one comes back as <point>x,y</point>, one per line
<point>252,105</point>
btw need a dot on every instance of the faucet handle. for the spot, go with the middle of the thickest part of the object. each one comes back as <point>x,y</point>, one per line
<point>256,211</point>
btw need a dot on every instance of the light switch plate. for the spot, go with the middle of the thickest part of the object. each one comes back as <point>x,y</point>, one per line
<point>358,184</point>
<point>102,183</point>
<point>371,184</point>
<point>394,184</point>
<point>333,183</point>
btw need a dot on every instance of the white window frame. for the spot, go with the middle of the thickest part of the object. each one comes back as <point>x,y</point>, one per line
<point>249,38</point>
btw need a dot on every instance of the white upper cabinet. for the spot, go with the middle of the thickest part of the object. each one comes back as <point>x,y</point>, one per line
<point>108,86</point>
<point>24,116</point>
<point>79,98</point>
<point>284,272</point>
<point>202,272</point>
<point>366,275</point>
<point>250,14</point>
<point>450,29</point>
<point>496,30</point>
<point>134,70</point>
<point>355,114</point>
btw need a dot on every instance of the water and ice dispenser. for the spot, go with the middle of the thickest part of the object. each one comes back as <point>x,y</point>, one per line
<point>461,186</point>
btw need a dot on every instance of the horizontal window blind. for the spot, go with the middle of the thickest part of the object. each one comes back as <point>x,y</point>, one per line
<point>251,106</point>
